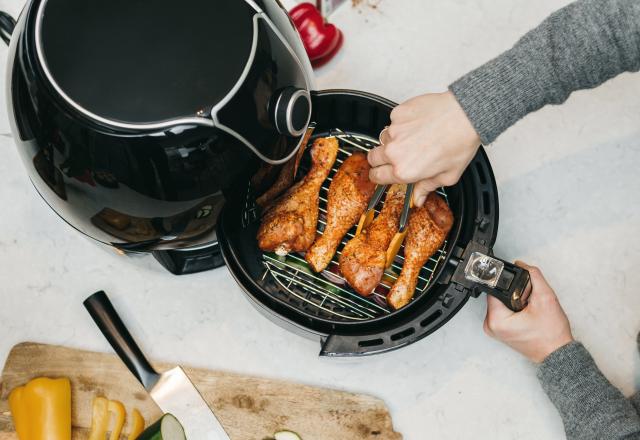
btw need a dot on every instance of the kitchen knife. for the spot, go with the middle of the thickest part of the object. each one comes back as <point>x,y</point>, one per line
<point>172,390</point>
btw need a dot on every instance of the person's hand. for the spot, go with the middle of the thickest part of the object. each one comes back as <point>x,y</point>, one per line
<point>537,331</point>
<point>430,142</point>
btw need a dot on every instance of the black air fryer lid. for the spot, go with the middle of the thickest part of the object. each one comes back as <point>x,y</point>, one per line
<point>148,64</point>
<point>131,61</point>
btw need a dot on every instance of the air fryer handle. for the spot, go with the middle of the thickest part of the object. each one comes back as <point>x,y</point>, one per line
<point>479,271</point>
<point>112,327</point>
<point>513,287</point>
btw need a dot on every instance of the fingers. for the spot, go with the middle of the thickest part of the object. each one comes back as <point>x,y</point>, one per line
<point>542,295</point>
<point>384,137</point>
<point>537,278</point>
<point>496,309</point>
<point>422,190</point>
<point>383,175</point>
<point>497,315</point>
<point>377,156</point>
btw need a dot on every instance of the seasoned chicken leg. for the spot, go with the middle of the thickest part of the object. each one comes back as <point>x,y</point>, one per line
<point>428,227</point>
<point>289,225</point>
<point>349,194</point>
<point>286,176</point>
<point>363,259</point>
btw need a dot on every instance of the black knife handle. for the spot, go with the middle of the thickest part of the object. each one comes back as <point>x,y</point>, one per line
<point>112,327</point>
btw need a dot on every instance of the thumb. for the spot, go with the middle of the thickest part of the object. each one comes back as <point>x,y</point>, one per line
<point>538,281</point>
<point>421,190</point>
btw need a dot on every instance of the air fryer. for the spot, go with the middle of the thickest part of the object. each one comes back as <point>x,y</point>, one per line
<point>136,122</point>
<point>154,128</point>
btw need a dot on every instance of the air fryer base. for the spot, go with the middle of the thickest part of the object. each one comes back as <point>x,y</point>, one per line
<point>476,218</point>
<point>188,261</point>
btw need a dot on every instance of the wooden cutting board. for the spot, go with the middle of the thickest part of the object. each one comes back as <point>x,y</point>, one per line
<point>249,408</point>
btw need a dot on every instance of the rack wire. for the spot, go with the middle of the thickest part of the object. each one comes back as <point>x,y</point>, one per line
<point>327,294</point>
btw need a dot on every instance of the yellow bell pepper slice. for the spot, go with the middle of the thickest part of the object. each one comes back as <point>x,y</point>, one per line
<point>41,409</point>
<point>101,413</point>
<point>137,425</point>
<point>99,418</point>
<point>117,409</point>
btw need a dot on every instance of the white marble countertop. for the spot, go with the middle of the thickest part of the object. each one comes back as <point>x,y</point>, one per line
<point>570,202</point>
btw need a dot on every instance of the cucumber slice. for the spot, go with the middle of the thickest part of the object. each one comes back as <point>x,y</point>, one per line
<point>286,435</point>
<point>166,427</point>
<point>300,265</point>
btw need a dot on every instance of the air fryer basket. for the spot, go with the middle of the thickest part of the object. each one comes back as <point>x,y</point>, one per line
<point>312,304</point>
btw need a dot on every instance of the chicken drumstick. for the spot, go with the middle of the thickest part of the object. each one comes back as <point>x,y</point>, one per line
<point>363,259</point>
<point>289,224</point>
<point>428,227</point>
<point>349,193</point>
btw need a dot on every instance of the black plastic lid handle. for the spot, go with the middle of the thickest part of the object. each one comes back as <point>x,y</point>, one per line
<point>112,327</point>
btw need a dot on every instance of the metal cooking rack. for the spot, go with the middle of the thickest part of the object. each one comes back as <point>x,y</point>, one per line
<point>327,294</point>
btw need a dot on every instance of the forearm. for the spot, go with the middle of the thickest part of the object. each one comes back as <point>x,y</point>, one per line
<point>590,407</point>
<point>579,46</point>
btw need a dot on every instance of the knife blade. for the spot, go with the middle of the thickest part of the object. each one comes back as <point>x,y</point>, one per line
<point>171,390</point>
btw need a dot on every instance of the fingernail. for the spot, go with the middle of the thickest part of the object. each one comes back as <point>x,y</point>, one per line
<point>420,200</point>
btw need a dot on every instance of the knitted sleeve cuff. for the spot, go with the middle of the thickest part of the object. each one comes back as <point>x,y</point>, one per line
<point>589,405</point>
<point>567,361</point>
<point>497,94</point>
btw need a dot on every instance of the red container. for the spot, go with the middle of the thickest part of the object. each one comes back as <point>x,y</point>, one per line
<point>321,40</point>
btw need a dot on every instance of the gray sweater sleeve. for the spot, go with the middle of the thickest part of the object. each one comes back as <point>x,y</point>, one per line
<point>579,46</point>
<point>635,400</point>
<point>590,407</point>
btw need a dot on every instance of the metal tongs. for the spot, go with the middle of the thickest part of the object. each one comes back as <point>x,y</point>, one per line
<point>367,217</point>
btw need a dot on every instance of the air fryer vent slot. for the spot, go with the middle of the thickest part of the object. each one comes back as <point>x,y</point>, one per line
<point>486,206</point>
<point>426,322</point>
<point>370,342</point>
<point>481,174</point>
<point>403,334</point>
